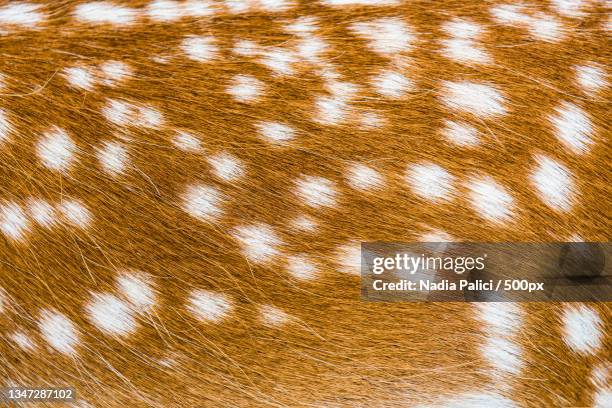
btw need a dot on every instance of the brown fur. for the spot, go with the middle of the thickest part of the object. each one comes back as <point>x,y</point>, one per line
<point>336,350</point>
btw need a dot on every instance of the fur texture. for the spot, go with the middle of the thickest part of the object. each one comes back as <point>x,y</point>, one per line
<point>184,186</point>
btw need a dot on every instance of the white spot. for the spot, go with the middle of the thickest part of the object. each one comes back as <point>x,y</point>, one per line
<point>238,6</point>
<point>136,287</point>
<point>478,400</point>
<point>328,72</point>
<point>42,212</point>
<point>245,88</point>
<point>502,319</point>
<point>75,213</point>
<point>569,8</point>
<point>22,340</point>
<point>349,258</point>
<point>572,127</point>
<point>329,110</point>
<point>460,28</point>
<point>316,191</point>
<point>386,36</point>
<point>490,199</point>
<point>21,14</point>
<point>5,126</point>
<point>510,14</point>
<point>275,5</point>
<point>545,27</point>
<point>199,48</point>
<point>460,133</point>
<point>112,157</point>
<point>278,60</point>
<point>341,90</point>
<point>601,374</point>
<point>378,3</point>
<point>275,132</point>
<point>259,242</point>
<point>464,51</point>
<point>273,316</point>
<point>118,112</point>
<point>591,78</point>
<point>110,315</point>
<point>226,166</point>
<point>246,48</point>
<point>503,354</point>
<point>198,8</point>
<point>391,84</point>
<point>13,221</point>
<point>56,149</point>
<point>479,99</point>
<point>164,10</point>
<point>105,12</point>
<point>186,142</point>
<point>362,177</point>
<point>553,182</point>
<point>311,48</point>
<point>436,236</point>
<point>148,117</point>
<point>303,26</point>
<point>202,202</point>
<point>430,181</point>
<point>208,306</point>
<point>603,398</point>
<point>80,78</point>
<point>301,267</point>
<point>114,71</point>
<point>304,223</point>
<point>58,331</point>
<point>582,329</point>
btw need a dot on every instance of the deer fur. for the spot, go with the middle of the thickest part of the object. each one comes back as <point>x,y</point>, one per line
<point>185,184</point>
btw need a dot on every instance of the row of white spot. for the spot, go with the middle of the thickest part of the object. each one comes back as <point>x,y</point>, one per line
<point>259,243</point>
<point>15,220</point>
<point>501,325</point>
<point>104,12</point>
<point>213,307</point>
<point>108,73</point>
<point>168,11</point>
<point>492,201</point>
<point>571,124</point>
<point>428,181</point>
<point>462,45</point>
<point>541,26</point>
<point>123,113</point>
<point>115,314</point>
<point>224,165</point>
<point>57,151</point>
<point>28,15</point>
